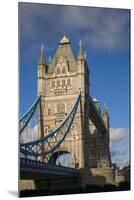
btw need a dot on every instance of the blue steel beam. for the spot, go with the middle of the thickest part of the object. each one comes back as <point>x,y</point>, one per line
<point>28,148</point>
<point>28,115</point>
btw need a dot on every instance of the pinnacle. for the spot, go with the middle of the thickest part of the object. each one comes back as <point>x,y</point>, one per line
<point>105,109</point>
<point>95,100</point>
<point>81,55</point>
<point>42,59</point>
<point>64,40</point>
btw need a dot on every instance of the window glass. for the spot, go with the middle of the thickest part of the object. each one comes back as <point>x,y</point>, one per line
<point>53,83</point>
<point>63,82</point>
<point>68,82</point>
<point>58,83</point>
<point>63,70</point>
<point>58,70</point>
<point>49,111</point>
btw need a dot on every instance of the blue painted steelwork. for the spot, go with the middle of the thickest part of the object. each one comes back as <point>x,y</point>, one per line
<point>27,163</point>
<point>54,138</point>
<point>28,115</point>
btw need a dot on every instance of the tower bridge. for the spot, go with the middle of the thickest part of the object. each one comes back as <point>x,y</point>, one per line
<point>65,121</point>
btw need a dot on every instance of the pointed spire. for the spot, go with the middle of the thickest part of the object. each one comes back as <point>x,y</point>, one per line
<point>95,100</point>
<point>105,109</point>
<point>42,59</point>
<point>49,59</point>
<point>80,44</point>
<point>80,53</point>
<point>64,40</point>
<point>85,55</point>
<point>96,103</point>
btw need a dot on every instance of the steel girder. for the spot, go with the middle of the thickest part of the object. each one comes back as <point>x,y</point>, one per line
<point>53,139</point>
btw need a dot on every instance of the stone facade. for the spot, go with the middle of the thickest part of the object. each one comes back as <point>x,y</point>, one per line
<point>58,85</point>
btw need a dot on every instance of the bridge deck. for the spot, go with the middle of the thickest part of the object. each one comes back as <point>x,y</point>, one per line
<point>32,169</point>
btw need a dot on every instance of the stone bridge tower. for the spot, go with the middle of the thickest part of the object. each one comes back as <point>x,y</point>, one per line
<point>58,84</point>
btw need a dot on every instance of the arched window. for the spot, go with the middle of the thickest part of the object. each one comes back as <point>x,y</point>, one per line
<point>63,82</point>
<point>49,111</point>
<point>58,83</point>
<point>58,70</point>
<point>74,129</point>
<point>46,129</point>
<point>53,83</point>
<point>60,108</point>
<point>68,82</point>
<point>63,70</point>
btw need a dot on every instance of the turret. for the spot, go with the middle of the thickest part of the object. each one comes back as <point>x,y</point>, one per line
<point>41,73</point>
<point>83,71</point>
<point>105,116</point>
<point>81,67</point>
<point>96,103</point>
<point>80,58</point>
<point>41,59</point>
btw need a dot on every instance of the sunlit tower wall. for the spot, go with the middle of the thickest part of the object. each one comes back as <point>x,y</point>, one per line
<point>59,81</point>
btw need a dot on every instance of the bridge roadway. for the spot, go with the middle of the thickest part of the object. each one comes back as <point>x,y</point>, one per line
<point>32,169</point>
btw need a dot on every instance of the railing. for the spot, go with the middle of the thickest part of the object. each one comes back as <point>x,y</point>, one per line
<point>42,165</point>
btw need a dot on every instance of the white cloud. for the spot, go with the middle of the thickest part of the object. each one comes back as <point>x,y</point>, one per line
<point>29,134</point>
<point>119,146</point>
<point>117,134</point>
<point>99,27</point>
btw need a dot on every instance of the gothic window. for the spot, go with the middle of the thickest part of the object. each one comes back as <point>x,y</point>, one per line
<point>63,70</point>
<point>46,129</point>
<point>58,83</point>
<point>58,70</point>
<point>49,111</point>
<point>63,82</point>
<point>53,83</point>
<point>74,129</point>
<point>60,108</point>
<point>58,122</point>
<point>68,82</point>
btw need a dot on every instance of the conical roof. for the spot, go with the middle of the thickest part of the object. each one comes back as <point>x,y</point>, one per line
<point>64,49</point>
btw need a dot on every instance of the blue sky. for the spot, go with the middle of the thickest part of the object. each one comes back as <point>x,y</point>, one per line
<point>105,37</point>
